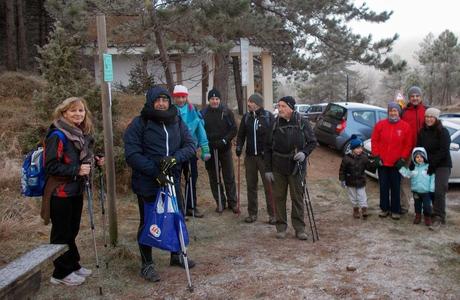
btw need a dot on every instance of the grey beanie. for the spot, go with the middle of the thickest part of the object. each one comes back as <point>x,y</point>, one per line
<point>257,99</point>
<point>414,90</point>
<point>394,105</point>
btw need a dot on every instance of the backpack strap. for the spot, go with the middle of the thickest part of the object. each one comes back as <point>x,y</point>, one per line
<point>59,134</point>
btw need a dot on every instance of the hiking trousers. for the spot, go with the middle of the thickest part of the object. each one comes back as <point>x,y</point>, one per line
<point>65,214</point>
<point>441,185</point>
<point>228,174</point>
<point>190,166</point>
<point>255,166</point>
<point>280,187</point>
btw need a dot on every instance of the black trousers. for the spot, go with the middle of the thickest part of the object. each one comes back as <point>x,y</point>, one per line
<point>65,216</point>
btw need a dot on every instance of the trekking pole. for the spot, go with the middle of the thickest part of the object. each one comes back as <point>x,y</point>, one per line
<point>172,190</point>
<point>190,190</point>
<point>306,197</point>
<point>216,166</point>
<point>89,194</point>
<point>102,200</point>
<point>238,199</point>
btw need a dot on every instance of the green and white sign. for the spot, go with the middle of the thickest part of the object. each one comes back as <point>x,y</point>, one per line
<point>108,69</point>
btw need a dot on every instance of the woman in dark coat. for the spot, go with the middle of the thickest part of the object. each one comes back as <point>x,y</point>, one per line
<point>68,160</point>
<point>435,138</point>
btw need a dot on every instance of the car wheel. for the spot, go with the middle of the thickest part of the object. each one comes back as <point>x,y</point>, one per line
<point>346,148</point>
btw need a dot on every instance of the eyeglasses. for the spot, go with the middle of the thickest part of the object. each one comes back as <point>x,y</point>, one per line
<point>414,96</point>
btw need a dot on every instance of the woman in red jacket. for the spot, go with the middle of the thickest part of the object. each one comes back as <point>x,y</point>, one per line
<point>390,147</point>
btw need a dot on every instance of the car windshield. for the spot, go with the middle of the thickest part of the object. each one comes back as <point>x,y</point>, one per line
<point>451,130</point>
<point>335,111</point>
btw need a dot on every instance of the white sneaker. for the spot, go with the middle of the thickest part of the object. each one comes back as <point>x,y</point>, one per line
<point>71,279</point>
<point>83,272</point>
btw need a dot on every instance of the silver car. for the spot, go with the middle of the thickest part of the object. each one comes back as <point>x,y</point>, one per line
<point>454,130</point>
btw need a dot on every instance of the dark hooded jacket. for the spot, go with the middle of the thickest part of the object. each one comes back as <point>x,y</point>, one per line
<point>352,170</point>
<point>150,137</point>
<point>436,141</point>
<point>254,128</point>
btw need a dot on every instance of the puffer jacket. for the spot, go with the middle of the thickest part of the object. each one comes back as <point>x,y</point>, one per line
<point>436,141</point>
<point>352,170</point>
<point>148,141</point>
<point>195,123</point>
<point>420,181</point>
<point>391,141</point>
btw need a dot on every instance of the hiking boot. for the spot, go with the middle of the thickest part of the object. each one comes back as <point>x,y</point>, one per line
<point>427,220</point>
<point>178,260</point>
<point>71,280</point>
<point>219,211</point>
<point>301,235</point>
<point>234,209</point>
<point>395,216</point>
<point>149,273</point>
<point>384,214</point>
<point>364,212</point>
<point>272,220</point>
<point>356,213</point>
<point>418,218</point>
<point>250,219</point>
<point>194,212</point>
<point>83,272</point>
<point>281,235</point>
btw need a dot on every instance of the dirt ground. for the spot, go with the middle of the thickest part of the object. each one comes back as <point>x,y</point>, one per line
<point>354,259</point>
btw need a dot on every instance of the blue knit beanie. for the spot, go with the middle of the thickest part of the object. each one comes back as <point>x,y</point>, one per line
<point>355,142</point>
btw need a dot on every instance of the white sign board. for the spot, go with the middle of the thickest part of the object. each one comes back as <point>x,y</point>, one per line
<point>244,50</point>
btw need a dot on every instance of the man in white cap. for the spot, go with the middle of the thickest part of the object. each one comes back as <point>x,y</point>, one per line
<point>195,125</point>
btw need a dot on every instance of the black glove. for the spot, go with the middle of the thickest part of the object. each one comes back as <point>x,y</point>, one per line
<point>166,163</point>
<point>431,170</point>
<point>238,151</point>
<point>377,162</point>
<point>400,163</point>
<point>162,179</point>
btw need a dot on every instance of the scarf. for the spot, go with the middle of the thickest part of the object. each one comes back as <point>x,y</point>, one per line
<point>83,142</point>
<point>160,116</point>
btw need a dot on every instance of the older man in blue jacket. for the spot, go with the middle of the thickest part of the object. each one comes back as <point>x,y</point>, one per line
<point>156,137</point>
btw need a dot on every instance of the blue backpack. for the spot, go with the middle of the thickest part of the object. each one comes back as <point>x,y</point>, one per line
<point>33,169</point>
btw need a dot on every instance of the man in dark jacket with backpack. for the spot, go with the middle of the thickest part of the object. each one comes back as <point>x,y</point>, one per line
<point>220,127</point>
<point>288,145</point>
<point>254,127</point>
<point>156,144</point>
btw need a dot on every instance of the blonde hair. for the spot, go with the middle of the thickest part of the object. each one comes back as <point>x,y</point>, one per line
<point>87,125</point>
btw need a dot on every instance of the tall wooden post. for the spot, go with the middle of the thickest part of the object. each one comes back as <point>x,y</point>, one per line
<point>108,132</point>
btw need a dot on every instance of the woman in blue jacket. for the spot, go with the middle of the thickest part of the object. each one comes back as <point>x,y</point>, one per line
<point>157,135</point>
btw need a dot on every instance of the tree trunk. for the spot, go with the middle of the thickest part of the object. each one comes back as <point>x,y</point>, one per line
<point>22,41</point>
<point>221,75</point>
<point>238,86</point>
<point>204,83</point>
<point>11,63</point>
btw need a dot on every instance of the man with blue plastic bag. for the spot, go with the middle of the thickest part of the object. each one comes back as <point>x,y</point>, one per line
<point>156,144</point>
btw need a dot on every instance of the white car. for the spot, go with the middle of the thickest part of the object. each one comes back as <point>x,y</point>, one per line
<point>454,130</point>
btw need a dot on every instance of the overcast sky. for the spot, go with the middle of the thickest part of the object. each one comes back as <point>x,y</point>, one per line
<point>412,20</point>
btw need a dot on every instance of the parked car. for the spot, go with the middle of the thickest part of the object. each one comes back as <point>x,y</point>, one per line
<point>341,120</point>
<point>453,117</point>
<point>315,111</point>
<point>302,109</point>
<point>454,130</point>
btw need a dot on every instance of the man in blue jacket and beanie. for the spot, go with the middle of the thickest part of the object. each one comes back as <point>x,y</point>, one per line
<point>156,143</point>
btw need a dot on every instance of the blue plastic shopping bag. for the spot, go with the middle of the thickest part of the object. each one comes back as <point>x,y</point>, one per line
<point>161,223</point>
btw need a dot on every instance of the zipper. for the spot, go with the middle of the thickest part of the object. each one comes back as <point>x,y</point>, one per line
<point>256,125</point>
<point>167,139</point>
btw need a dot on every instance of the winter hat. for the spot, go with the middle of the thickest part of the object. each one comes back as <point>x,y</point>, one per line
<point>213,93</point>
<point>355,142</point>
<point>432,112</point>
<point>392,105</point>
<point>156,92</point>
<point>421,151</point>
<point>180,91</point>
<point>257,99</point>
<point>414,90</point>
<point>290,101</point>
